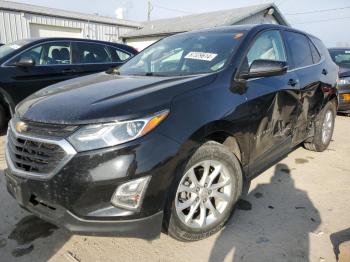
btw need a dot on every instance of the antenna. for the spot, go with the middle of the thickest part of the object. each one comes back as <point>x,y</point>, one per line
<point>149,10</point>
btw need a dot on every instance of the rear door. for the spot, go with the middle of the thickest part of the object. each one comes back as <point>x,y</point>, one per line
<point>92,57</point>
<point>310,70</point>
<point>53,63</point>
<point>273,102</point>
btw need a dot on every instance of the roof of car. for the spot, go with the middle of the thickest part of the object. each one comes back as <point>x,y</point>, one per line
<point>246,27</point>
<point>339,48</point>
<point>43,39</point>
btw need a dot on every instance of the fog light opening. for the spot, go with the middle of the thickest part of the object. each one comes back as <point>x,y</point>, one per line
<point>130,194</point>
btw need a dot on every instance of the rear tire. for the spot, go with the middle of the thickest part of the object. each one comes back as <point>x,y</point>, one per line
<point>204,193</point>
<point>323,129</point>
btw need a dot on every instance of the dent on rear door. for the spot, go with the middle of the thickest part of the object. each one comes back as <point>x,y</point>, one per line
<point>312,98</point>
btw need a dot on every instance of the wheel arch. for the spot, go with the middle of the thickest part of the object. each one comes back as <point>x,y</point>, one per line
<point>7,102</point>
<point>226,133</point>
<point>335,98</point>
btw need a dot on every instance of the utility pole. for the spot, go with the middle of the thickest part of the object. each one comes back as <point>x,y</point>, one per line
<point>149,10</point>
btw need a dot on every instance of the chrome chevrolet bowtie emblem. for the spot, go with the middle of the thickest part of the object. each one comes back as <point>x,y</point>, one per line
<point>21,127</point>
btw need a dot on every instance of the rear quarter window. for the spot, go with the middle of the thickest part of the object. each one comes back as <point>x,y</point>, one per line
<point>119,55</point>
<point>320,47</point>
<point>316,57</point>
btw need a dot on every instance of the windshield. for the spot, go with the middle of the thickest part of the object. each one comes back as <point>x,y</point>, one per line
<point>9,48</point>
<point>184,54</point>
<point>341,57</point>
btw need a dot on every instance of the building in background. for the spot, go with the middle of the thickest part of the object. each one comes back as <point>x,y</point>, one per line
<point>18,21</point>
<point>154,30</point>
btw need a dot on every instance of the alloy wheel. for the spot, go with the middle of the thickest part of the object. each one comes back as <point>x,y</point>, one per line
<point>204,193</point>
<point>327,127</point>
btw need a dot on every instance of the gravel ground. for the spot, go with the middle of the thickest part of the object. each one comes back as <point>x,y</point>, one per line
<point>297,210</point>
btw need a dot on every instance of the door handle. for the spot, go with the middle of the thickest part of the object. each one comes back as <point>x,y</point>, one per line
<point>324,72</point>
<point>68,71</point>
<point>293,82</point>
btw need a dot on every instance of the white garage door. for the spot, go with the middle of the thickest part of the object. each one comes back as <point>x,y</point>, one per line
<point>37,30</point>
<point>141,43</point>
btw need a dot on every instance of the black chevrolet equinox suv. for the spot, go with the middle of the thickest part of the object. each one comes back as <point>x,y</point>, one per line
<point>173,138</point>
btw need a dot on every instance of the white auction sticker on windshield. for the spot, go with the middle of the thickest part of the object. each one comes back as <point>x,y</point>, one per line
<point>347,52</point>
<point>201,56</point>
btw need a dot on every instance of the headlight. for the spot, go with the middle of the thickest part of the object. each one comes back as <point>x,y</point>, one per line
<point>110,134</point>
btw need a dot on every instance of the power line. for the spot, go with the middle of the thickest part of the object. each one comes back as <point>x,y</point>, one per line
<point>319,11</point>
<point>324,20</point>
<point>172,9</point>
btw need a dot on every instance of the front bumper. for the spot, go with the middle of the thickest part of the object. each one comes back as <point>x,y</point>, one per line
<point>78,196</point>
<point>146,227</point>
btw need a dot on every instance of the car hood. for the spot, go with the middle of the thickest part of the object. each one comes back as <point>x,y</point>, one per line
<point>104,97</point>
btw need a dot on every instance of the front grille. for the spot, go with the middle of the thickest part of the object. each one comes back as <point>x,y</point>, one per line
<point>51,130</point>
<point>33,156</point>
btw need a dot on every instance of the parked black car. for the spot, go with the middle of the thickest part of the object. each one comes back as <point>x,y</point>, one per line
<point>175,136</point>
<point>341,56</point>
<point>31,64</point>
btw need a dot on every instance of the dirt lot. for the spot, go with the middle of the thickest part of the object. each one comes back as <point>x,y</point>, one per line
<point>297,210</point>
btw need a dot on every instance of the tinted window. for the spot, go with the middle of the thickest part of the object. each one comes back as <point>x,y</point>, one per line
<point>268,45</point>
<point>322,49</point>
<point>89,53</point>
<point>341,57</point>
<point>118,55</point>
<point>53,53</point>
<point>300,49</point>
<point>315,54</point>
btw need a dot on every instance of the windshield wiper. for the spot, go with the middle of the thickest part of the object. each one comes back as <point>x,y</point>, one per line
<point>153,74</point>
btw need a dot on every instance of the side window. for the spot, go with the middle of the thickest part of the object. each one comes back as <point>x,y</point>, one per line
<point>315,54</point>
<point>323,51</point>
<point>90,53</point>
<point>34,53</point>
<point>268,45</point>
<point>119,55</point>
<point>300,49</point>
<point>53,53</point>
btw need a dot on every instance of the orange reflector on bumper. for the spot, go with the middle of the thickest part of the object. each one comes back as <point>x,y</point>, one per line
<point>346,97</point>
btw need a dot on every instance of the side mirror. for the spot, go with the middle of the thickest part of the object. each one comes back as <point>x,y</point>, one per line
<point>25,62</point>
<point>263,68</point>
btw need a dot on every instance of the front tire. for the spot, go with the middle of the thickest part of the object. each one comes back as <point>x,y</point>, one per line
<point>324,129</point>
<point>204,194</point>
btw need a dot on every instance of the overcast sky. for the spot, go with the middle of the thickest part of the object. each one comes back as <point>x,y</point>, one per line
<point>332,26</point>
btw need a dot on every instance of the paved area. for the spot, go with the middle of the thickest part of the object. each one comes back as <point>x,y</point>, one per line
<point>297,210</point>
